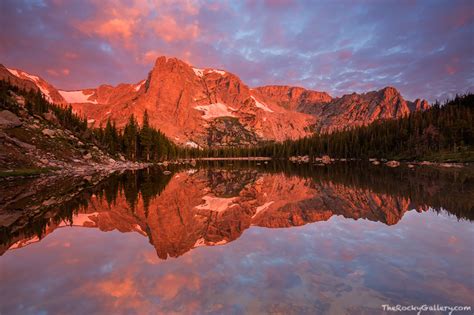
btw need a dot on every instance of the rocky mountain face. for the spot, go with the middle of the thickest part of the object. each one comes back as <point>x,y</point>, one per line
<point>362,109</point>
<point>31,82</point>
<point>292,98</point>
<point>209,107</point>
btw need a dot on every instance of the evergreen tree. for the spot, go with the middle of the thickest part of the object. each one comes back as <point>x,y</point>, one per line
<point>146,137</point>
<point>131,138</point>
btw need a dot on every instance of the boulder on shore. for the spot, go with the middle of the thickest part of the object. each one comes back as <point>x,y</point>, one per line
<point>299,159</point>
<point>49,132</point>
<point>9,120</point>
<point>50,116</point>
<point>326,159</point>
<point>392,163</point>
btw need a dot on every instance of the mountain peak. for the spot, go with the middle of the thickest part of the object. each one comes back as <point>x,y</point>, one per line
<point>211,107</point>
<point>418,104</point>
<point>390,91</point>
<point>166,61</point>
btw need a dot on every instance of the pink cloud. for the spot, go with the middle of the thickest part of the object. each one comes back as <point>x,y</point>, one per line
<point>167,28</point>
<point>56,72</point>
<point>116,27</point>
<point>171,284</point>
<point>115,21</point>
<point>118,288</point>
<point>149,57</point>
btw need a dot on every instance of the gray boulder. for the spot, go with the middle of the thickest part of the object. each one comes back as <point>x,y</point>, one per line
<point>49,132</point>
<point>9,120</point>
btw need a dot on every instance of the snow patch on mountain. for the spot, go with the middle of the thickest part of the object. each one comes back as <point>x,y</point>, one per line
<point>36,80</point>
<point>139,229</point>
<point>202,242</point>
<point>262,208</point>
<point>222,242</point>
<point>198,72</point>
<point>139,85</point>
<point>31,77</point>
<point>217,71</point>
<point>76,97</point>
<point>262,106</point>
<point>45,92</point>
<point>24,75</point>
<point>215,110</point>
<point>192,144</point>
<point>216,203</point>
<point>14,72</point>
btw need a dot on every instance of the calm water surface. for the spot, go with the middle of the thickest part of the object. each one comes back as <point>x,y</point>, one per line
<point>242,239</point>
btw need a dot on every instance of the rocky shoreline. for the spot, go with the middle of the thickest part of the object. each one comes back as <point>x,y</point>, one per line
<point>75,171</point>
<point>255,158</point>
<point>325,159</point>
<point>102,168</point>
<point>36,146</point>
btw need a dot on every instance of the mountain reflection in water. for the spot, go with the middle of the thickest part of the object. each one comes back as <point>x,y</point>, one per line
<point>215,203</point>
<point>103,246</point>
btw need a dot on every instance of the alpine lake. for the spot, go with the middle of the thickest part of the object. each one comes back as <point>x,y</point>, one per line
<point>241,237</point>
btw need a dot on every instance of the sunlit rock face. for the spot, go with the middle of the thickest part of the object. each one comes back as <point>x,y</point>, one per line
<point>215,206</point>
<point>28,81</point>
<point>210,107</point>
<point>292,98</point>
<point>361,109</point>
<point>418,104</point>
